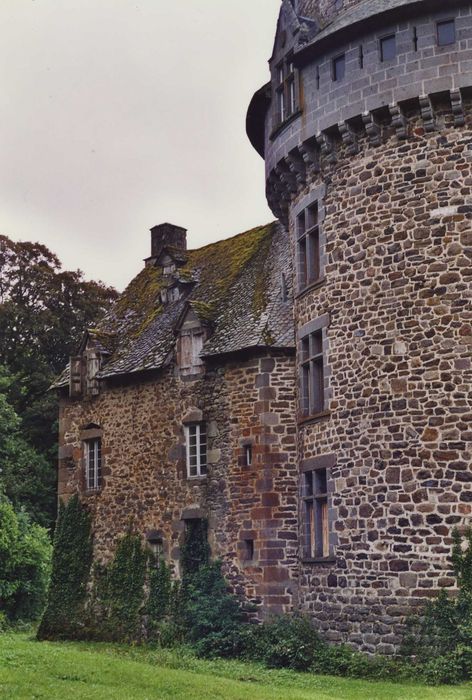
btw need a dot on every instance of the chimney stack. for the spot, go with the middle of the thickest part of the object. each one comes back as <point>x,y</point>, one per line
<point>167,235</point>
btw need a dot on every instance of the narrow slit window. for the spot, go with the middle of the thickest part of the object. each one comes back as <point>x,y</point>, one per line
<point>361,56</point>
<point>196,449</point>
<point>415,39</point>
<point>93,464</point>
<point>446,32</point>
<point>248,455</point>
<point>318,77</point>
<point>388,48</point>
<point>339,67</point>
<point>316,522</point>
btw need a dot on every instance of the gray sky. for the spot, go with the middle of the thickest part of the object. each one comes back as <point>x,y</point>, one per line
<point>116,115</point>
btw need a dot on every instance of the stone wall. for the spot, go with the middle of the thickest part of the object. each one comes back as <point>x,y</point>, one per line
<point>244,401</point>
<point>398,288</point>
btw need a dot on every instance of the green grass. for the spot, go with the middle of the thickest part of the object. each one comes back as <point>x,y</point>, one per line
<point>33,670</point>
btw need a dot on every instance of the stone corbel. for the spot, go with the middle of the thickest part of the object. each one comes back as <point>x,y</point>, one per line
<point>399,121</point>
<point>349,137</point>
<point>427,113</point>
<point>326,144</point>
<point>297,167</point>
<point>457,107</point>
<point>373,130</point>
<point>286,177</point>
<point>309,151</point>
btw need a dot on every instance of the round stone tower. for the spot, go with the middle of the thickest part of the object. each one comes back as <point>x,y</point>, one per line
<point>366,132</point>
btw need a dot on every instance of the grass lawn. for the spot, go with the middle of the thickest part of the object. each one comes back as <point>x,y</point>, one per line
<point>58,671</point>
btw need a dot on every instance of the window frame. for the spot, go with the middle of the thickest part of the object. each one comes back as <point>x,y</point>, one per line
<point>382,41</point>
<point>316,521</point>
<point>309,267</point>
<point>195,462</point>
<point>287,91</point>
<point>96,482</point>
<point>334,67</point>
<point>313,369</point>
<point>443,22</point>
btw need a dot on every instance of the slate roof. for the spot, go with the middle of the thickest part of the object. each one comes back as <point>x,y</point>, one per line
<point>233,285</point>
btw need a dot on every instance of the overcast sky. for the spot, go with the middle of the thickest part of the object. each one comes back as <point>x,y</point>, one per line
<point>116,115</point>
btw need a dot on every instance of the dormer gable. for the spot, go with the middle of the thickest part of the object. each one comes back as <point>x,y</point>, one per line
<point>192,332</point>
<point>86,365</point>
<point>288,26</point>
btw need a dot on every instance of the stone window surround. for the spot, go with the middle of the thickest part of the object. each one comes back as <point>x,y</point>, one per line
<point>449,20</point>
<point>316,195</point>
<point>322,462</point>
<point>284,88</point>
<point>319,324</point>
<point>94,438</point>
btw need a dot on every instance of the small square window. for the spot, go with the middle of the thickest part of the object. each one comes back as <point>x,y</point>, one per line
<point>339,67</point>
<point>388,48</point>
<point>446,32</point>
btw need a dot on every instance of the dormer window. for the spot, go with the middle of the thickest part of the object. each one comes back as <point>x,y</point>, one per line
<point>168,269</point>
<point>286,90</point>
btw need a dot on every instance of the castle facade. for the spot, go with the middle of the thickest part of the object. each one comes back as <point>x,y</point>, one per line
<point>304,388</point>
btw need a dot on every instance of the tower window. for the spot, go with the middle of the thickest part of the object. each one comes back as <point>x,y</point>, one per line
<point>308,244</point>
<point>316,522</point>
<point>286,89</point>
<point>446,32</point>
<point>196,449</point>
<point>339,67</point>
<point>361,56</point>
<point>388,48</point>
<point>247,455</point>
<point>415,39</point>
<point>93,464</point>
<point>248,550</point>
<point>312,373</point>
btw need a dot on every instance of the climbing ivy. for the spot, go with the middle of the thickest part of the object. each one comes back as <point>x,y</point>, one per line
<point>63,617</point>
<point>195,551</point>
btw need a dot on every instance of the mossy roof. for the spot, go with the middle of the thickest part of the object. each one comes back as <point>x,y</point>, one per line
<point>234,286</point>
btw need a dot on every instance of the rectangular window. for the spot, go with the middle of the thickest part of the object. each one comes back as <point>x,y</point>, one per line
<point>196,448</point>
<point>339,67</point>
<point>312,373</point>
<point>316,524</point>
<point>446,32</point>
<point>388,48</point>
<point>93,464</point>
<point>308,242</point>
<point>286,89</point>
<point>248,455</point>
<point>248,550</point>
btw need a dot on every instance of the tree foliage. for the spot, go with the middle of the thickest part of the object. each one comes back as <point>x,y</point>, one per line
<point>25,556</point>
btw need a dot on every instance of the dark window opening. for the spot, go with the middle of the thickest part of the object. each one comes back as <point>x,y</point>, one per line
<point>446,32</point>
<point>156,545</point>
<point>388,48</point>
<point>248,552</point>
<point>316,524</point>
<point>361,56</point>
<point>415,39</point>
<point>312,374</point>
<point>317,77</point>
<point>308,242</point>
<point>339,67</point>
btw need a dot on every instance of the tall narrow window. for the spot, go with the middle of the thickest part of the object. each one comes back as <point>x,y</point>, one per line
<point>308,242</point>
<point>93,464</point>
<point>361,56</point>
<point>196,448</point>
<point>247,455</point>
<point>316,523</point>
<point>312,373</point>
<point>388,48</point>
<point>318,80</point>
<point>415,39</point>
<point>339,67</point>
<point>286,89</point>
<point>446,32</point>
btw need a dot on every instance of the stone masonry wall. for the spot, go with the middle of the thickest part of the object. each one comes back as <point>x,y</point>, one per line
<point>398,288</point>
<point>246,401</point>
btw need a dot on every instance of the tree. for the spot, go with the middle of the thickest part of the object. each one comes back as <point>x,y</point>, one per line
<point>25,556</point>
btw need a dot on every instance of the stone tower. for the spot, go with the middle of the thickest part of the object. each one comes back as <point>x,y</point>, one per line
<point>366,131</point>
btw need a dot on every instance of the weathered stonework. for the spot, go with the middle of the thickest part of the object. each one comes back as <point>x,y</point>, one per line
<point>246,398</point>
<point>387,154</point>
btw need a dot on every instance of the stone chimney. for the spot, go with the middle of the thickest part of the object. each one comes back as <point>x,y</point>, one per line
<point>167,235</point>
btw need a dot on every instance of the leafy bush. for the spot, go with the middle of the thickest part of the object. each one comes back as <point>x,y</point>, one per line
<point>71,562</point>
<point>286,642</point>
<point>25,558</point>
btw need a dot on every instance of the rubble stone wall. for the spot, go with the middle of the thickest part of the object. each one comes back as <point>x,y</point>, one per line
<point>145,484</point>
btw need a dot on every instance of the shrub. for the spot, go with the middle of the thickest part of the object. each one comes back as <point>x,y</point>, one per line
<point>63,617</point>
<point>287,642</point>
<point>25,557</point>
